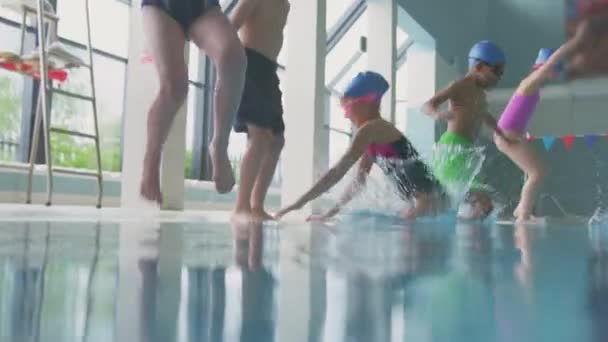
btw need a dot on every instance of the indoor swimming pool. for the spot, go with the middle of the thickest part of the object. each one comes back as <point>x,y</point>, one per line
<point>71,274</point>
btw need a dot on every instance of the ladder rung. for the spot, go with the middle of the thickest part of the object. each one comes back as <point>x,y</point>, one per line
<point>70,94</point>
<point>49,16</point>
<point>70,132</point>
<point>76,172</point>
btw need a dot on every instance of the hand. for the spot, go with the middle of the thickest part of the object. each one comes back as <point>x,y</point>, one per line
<point>286,210</point>
<point>437,115</point>
<point>317,218</point>
<point>323,217</point>
<point>430,111</point>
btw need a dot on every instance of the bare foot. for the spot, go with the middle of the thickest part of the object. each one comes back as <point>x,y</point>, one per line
<point>223,175</point>
<point>261,215</point>
<point>516,212</point>
<point>150,182</point>
<point>531,220</point>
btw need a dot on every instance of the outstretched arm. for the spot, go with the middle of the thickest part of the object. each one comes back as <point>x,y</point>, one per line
<point>353,189</point>
<point>335,174</point>
<point>241,11</point>
<point>431,107</point>
<point>534,81</point>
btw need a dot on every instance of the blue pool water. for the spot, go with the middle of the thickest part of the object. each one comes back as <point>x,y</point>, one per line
<point>68,277</point>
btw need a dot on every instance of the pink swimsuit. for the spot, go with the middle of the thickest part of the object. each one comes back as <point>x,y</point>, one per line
<point>518,113</point>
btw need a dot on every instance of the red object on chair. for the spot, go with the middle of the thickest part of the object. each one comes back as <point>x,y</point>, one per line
<point>54,74</point>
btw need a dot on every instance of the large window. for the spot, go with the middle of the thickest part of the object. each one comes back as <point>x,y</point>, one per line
<point>335,10</point>
<point>11,98</point>
<point>345,59</point>
<point>17,93</point>
<point>109,61</point>
<point>196,95</point>
<point>401,98</point>
<point>109,36</point>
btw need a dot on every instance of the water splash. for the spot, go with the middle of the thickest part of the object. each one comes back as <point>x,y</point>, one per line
<point>600,216</point>
<point>380,194</point>
<point>455,166</point>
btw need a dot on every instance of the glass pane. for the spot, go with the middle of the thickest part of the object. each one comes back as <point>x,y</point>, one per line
<point>360,65</point>
<point>238,143</point>
<point>346,47</point>
<point>10,14</point>
<point>195,94</point>
<point>401,78</point>
<point>277,179</point>
<point>338,142</point>
<point>335,9</point>
<point>77,115</point>
<point>401,34</point>
<point>401,116</point>
<point>401,37</point>
<point>112,38</point>
<point>11,98</point>
<point>193,63</point>
<point>282,58</point>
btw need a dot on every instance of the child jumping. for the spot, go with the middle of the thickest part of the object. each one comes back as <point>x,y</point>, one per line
<point>465,116</point>
<point>516,116</point>
<point>375,140</point>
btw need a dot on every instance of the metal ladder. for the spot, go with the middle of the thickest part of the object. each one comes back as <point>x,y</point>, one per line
<point>43,110</point>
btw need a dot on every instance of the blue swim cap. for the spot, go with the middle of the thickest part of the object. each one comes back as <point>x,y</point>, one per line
<point>543,57</point>
<point>487,52</point>
<point>366,83</point>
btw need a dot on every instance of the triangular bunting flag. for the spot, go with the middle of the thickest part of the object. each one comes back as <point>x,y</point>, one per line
<point>548,142</point>
<point>590,140</point>
<point>568,141</point>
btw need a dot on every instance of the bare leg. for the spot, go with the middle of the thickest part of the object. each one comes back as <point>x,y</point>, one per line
<point>258,147</point>
<point>524,156</point>
<point>214,34</point>
<point>166,41</point>
<point>262,182</point>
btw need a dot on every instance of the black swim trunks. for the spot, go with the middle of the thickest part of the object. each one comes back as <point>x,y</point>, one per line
<point>261,104</point>
<point>185,12</point>
<point>400,161</point>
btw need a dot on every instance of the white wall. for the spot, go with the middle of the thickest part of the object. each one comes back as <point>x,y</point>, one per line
<point>575,108</point>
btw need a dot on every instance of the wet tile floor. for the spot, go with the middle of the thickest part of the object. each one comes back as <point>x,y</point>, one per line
<point>74,274</point>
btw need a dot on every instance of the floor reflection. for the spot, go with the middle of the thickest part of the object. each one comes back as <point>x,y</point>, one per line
<point>57,282</point>
<point>201,281</point>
